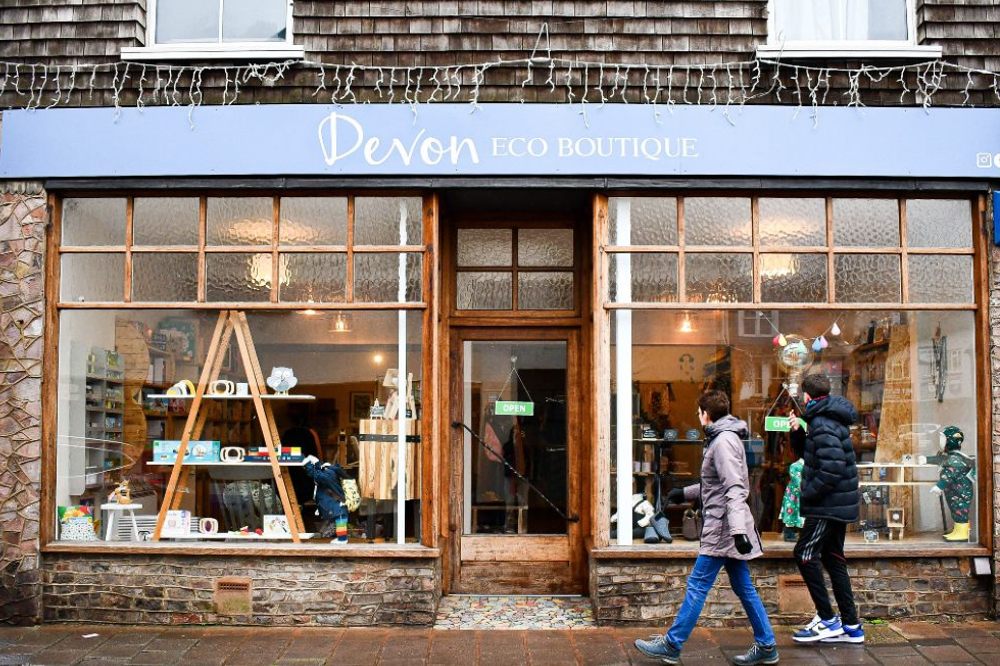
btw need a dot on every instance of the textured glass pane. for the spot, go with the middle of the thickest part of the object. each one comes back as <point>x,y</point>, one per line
<point>164,276</point>
<point>93,277</point>
<point>240,277</point>
<point>652,220</point>
<point>654,277</point>
<point>187,21</point>
<point>319,278</point>
<point>940,279</point>
<point>719,278</point>
<point>545,247</point>
<point>484,291</point>
<point>867,278</point>
<point>717,221</point>
<point>793,222</point>
<point>545,291</point>
<point>377,220</point>
<point>240,221</point>
<point>254,20</point>
<point>866,222</point>
<point>165,221</point>
<point>939,223</point>
<point>376,277</point>
<point>793,278</point>
<point>313,221</point>
<point>93,222</point>
<point>485,247</point>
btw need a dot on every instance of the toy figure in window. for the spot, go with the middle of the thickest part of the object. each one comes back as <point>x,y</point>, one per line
<point>790,515</point>
<point>956,483</point>
<point>333,497</point>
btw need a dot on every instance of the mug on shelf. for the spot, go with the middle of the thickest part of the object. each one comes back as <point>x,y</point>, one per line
<point>223,387</point>
<point>208,526</point>
<point>232,454</point>
<point>242,388</point>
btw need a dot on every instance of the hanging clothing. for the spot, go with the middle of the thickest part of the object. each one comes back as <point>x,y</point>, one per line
<point>956,482</point>
<point>790,503</point>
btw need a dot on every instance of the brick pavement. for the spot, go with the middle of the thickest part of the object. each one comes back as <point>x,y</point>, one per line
<point>909,643</point>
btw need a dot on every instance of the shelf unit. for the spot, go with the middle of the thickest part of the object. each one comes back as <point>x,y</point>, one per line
<point>231,324</point>
<point>104,411</point>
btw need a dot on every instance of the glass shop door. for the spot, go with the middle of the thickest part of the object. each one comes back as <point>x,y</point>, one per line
<point>517,422</point>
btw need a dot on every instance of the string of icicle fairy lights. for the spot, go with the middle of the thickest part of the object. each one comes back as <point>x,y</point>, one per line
<point>725,84</point>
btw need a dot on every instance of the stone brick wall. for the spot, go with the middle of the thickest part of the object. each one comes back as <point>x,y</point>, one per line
<point>647,591</point>
<point>394,33</point>
<point>23,216</point>
<point>170,589</point>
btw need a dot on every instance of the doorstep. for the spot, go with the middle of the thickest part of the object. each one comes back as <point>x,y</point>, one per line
<point>514,612</point>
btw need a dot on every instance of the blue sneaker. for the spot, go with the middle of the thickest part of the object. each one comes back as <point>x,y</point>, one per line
<point>757,654</point>
<point>853,633</point>
<point>818,629</point>
<point>658,647</point>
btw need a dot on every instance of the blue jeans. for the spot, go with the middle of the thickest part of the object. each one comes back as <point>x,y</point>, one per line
<point>700,582</point>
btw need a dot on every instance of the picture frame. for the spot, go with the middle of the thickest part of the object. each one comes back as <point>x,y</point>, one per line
<point>276,525</point>
<point>361,404</point>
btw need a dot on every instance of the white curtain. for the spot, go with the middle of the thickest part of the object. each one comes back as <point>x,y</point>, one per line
<point>821,20</point>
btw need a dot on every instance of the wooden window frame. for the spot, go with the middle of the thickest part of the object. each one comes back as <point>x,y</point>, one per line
<point>429,305</point>
<point>515,225</point>
<point>603,307</point>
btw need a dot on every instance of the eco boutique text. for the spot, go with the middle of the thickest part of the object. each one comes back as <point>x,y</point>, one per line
<point>341,137</point>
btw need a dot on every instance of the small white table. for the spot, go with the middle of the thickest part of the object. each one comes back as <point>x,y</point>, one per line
<point>113,509</point>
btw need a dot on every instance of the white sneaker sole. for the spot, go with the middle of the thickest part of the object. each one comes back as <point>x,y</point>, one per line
<point>845,638</point>
<point>826,636</point>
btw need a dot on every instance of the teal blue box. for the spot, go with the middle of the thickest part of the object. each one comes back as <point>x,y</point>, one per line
<point>202,450</point>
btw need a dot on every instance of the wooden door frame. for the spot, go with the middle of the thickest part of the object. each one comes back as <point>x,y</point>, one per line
<point>448,514</point>
<point>541,548</point>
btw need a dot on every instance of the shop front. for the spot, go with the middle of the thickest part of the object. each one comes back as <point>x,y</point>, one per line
<point>494,327</point>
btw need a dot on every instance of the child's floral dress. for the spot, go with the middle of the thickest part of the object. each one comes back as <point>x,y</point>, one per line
<point>790,503</point>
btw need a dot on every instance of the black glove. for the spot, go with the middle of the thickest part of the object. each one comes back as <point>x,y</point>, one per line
<point>743,545</point>
<point>676,496</point>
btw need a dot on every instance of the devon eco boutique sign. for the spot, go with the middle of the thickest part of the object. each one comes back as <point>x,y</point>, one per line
<point>499,140</point>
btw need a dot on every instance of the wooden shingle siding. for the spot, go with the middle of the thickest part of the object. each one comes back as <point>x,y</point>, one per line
<point>398,34</point>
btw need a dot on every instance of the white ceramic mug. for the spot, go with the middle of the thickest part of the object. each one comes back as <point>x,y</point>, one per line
<point>208,526</point>
<point>242,388</point>
<point>232,454</point>
<point>223,387</point>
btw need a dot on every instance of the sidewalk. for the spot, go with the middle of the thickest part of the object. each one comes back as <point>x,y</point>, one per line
<point>908,643</point>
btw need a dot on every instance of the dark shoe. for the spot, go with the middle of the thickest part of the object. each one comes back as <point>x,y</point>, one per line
<point>662,527</point>
<point>658,647</point>
<point>758,654</point>
<point>651,535</point>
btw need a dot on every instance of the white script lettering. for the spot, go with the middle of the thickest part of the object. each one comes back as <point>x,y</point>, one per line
<point>339,130</point>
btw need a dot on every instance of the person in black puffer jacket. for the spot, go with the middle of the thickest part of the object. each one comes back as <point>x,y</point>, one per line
<point>829,501</point>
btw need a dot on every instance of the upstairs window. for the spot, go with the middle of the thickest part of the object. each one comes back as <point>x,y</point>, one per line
<point>235,29</point>
<point>857,28</point>
<point>220,21</point>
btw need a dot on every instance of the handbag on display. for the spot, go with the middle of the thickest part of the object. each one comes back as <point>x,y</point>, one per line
<point>691,526</point>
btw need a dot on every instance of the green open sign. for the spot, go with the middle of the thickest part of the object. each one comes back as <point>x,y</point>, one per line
<point>513,408</point>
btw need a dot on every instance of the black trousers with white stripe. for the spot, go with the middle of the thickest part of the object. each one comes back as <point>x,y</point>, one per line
<point>821,546</point>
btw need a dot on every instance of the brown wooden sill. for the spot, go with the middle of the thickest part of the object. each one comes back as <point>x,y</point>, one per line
<point>116,548</point>
<point>689,550</point>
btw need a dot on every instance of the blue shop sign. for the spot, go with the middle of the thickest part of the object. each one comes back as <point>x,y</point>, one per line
<point>500,140</point>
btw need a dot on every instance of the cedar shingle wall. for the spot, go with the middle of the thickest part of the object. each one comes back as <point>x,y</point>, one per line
<point>451,32</point>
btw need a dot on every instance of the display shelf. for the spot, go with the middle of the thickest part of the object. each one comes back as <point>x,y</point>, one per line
<point>228,464</point>
<point>208,396</point>
<point>237,537</point>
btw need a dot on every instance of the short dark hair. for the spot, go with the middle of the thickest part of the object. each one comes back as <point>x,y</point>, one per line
<point>714,403</point>
<point>817,386</point>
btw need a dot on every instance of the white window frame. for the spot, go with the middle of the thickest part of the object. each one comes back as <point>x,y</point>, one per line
<point>864,48</point>
<point>285,50</point>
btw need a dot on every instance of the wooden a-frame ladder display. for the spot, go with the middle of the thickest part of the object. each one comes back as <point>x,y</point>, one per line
<point>231,323</point>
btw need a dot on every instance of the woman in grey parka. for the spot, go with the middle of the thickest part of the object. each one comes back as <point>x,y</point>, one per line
<point>729,537</point>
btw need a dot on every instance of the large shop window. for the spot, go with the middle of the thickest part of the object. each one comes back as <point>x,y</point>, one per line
<point>749,295</point>
<point>315,303</point>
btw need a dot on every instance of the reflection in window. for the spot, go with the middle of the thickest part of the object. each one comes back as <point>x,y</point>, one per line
<point>910,375</point>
